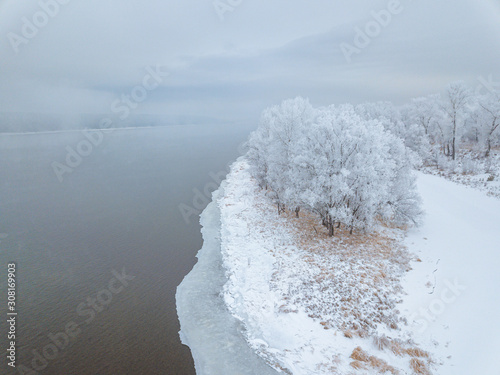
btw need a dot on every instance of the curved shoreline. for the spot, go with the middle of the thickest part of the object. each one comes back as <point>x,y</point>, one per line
<point>214,336</point>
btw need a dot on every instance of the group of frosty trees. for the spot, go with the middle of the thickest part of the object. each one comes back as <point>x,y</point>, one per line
<point>335,162</point>
<point>353,165</point>
<point>444,124</point>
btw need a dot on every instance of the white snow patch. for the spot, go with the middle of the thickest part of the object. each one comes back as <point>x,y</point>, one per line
<point>459,245</point>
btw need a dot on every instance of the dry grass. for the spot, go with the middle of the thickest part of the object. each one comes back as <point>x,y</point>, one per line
<point>309,231</point>
<point>382,342</point>
<point>362,361</point>
<point>417,352</point>
<point>348,334</point>
<point>358,365</point>
<point>359,354</point>
<point>419,367</point>
<point>364,279</point>
<point>382,366</point>
<point>397,348</point>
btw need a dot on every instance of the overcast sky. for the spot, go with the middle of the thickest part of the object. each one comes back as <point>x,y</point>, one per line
<point>90,52</point>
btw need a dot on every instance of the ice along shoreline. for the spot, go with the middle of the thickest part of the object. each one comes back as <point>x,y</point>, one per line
<point>214,336</point>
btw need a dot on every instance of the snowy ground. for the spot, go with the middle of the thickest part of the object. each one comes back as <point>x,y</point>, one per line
<point>461,241</point>
<point>472,170</point>
<point>312,312</point>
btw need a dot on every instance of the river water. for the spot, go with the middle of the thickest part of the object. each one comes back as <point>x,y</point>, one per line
<point>99,254</point>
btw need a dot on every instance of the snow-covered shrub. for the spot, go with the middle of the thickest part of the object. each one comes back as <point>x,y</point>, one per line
<point>469,166</point>
<point>442,162</point>
<point>447,165</point>
<point>488,165</point>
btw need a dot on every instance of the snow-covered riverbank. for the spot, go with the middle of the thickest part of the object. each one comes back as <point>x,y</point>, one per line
<point>213,335</point>
<point>312,304</point>
<point>259,295</point>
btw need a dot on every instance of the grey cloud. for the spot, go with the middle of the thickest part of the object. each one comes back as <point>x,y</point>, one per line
<point>263,52</point>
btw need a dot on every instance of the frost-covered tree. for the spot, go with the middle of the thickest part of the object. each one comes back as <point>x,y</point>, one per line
<point>340,187</point>
<point>332,161</point>
<point>490,119</point>
<point>398,122</point>
<point>403,204</point>
<point>425,112</point>
<point>275,144</point>
<point>455,106</point>
<point>258,149</point>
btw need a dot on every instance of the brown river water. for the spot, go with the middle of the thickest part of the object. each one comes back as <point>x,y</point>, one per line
<point>99,254</point>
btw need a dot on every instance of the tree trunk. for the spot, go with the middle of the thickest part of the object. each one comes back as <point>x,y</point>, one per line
<point>454,138</point>
<point>330,226</point>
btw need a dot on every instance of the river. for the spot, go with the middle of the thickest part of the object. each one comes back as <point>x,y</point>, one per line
<point>99,254</point>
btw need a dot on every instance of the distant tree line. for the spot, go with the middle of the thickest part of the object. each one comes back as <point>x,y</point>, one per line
<point>443,124</point>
